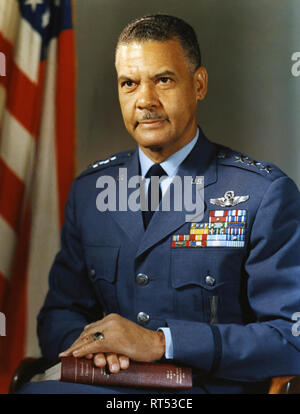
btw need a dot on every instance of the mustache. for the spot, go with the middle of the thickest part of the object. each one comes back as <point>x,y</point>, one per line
<point>149,115</point>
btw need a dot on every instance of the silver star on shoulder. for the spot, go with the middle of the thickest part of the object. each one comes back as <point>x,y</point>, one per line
<point>229,199</point>
<point>267,168</point>
<point>33,4</point>
<point>252,162</point>
<point>240,158</point>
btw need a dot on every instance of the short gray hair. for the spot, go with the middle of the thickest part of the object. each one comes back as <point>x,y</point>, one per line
<point>161,27</point>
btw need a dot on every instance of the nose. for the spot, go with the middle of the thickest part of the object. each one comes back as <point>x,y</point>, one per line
<point>147,97</point>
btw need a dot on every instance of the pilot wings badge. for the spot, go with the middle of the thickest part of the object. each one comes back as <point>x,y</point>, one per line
<point>228,200</point>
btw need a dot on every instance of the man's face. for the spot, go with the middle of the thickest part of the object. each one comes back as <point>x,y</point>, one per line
<point>158,94</point>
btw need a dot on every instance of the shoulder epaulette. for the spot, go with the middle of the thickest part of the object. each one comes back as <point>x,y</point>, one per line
<point>227,156</point>
<point>116,159</point>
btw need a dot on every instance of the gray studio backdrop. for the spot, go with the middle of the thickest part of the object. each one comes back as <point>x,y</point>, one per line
<point>253,99</point>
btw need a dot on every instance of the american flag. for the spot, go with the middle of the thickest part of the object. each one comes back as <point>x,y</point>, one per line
<point>37,153</point>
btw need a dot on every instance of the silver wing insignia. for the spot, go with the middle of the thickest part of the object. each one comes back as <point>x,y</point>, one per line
<point>239,199</point>
<point>218,201</point>
<point>229,199</point>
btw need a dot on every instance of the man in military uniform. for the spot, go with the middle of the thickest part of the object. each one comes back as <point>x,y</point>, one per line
<point>217,294</point>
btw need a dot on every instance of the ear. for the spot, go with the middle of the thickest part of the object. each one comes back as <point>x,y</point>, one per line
<point>200,80</point>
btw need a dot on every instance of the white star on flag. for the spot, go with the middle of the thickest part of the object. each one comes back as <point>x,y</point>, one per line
<point>33,3</point>
<point>45,19</point>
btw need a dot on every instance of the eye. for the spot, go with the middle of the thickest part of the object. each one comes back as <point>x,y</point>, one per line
<point>127,84</point>
<point>165,80</point>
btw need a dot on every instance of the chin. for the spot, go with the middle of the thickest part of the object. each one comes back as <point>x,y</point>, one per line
<point>153,140</point>
<point>154,148</point>
<point>153,145</point>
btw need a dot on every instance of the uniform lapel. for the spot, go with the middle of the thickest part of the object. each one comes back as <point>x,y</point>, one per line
<point>200,162</point>
<point>130,221</point>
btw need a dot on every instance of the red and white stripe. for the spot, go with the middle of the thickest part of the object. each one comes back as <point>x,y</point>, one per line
<point>37,146</point>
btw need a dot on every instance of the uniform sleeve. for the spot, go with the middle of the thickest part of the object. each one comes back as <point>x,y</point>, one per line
<point>70,303</point>
<point>267,347</point>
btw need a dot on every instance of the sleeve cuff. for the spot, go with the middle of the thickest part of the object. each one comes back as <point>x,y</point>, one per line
<point>169,342</point>
<point>196,344</point>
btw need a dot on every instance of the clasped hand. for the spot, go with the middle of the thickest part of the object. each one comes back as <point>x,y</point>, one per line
<point>123,340</point>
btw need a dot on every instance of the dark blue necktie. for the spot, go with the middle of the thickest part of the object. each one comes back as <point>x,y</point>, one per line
<point>155,171</point>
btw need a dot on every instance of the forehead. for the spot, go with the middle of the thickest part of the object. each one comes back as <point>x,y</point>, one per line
<point>151,56</point>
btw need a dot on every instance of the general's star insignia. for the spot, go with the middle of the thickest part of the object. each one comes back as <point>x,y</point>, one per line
<point>267,168</point>
<point>228,200</point>
<point>240,158</point>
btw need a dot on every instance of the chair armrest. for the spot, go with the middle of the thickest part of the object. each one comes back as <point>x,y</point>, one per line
<point>285,385</point>
<point>26,369</point>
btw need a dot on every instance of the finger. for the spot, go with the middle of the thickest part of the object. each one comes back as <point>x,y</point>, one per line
<point>93,324</point>
<point>81,341</point>
<point>113,363</point>
<point>68,351</point>
<point>93,347</point>
<point>90,325</point>
<point>92,328</point>
<point>100,360</point>
<point>123,361</point>
<point>87,337</point>
<point>89,356</point>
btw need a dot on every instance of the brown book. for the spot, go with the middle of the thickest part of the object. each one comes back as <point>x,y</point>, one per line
<point>137,375</point>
